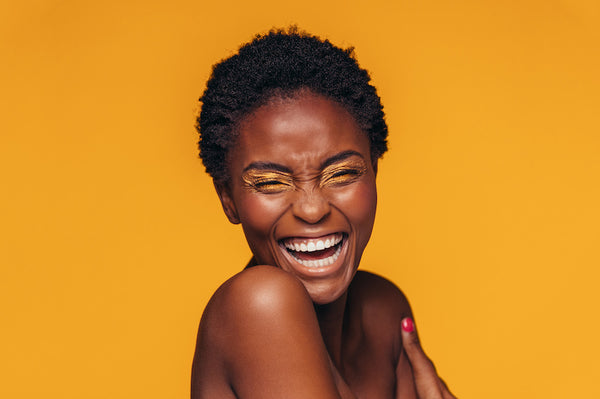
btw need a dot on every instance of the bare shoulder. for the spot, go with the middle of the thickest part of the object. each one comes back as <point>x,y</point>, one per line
<point>379,296</point>
<point>257,337</point>
<point>252,298</point>
<point>381,305</point>
<point>259,289</point>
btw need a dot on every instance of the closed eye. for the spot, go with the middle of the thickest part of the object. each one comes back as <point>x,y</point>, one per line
<point>267,182</point>
<point>270,186</point>
<point>341,175</point>
<point>347,172</point>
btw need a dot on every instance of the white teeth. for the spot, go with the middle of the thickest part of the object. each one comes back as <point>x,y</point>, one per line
<point>320,262</point>
<point>311,245</point>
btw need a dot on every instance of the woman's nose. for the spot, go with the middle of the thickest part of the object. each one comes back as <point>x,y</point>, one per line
<point>311,206</point>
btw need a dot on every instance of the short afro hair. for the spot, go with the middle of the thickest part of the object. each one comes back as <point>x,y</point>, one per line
<point>280,64</point>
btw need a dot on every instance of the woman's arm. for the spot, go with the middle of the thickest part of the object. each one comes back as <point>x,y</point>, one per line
<point>260,333</point>
<point>415,374</point>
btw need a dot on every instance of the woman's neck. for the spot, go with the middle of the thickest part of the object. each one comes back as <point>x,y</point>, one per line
<point>331,319</point>
<point>251,262</point>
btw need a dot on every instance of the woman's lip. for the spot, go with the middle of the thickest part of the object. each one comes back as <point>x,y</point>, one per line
<point>309,236</point>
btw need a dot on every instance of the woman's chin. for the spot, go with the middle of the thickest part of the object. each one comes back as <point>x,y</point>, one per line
<point>325,295</point>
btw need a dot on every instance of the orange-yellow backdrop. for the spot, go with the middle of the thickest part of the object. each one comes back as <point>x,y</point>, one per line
<point>112,240</point>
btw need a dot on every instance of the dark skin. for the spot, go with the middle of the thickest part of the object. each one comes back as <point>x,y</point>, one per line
<point>303,323</point>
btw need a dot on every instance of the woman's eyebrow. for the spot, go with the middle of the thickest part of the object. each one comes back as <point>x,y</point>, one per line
<point>260,165</point>
<point>340,157</point>
<point>268,166</point>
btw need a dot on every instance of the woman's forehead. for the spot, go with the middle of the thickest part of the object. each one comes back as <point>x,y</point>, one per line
<point>300,129</point>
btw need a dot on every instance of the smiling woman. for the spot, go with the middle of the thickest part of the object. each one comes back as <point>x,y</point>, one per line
<point>319,188</point>
<point>291,132</point>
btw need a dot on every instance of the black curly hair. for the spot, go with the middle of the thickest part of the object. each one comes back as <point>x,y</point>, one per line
<point>280,64</point>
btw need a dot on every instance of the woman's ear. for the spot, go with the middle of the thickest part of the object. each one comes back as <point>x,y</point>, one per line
<point>374,163</point>
<point>224,194</point>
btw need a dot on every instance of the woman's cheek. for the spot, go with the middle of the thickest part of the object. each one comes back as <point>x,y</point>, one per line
<point>259,212</point>
<point>358,204</point>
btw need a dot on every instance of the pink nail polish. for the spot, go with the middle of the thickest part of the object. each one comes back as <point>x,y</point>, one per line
<point>408,325</point>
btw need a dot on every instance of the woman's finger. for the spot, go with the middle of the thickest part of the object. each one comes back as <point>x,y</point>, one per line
<point>427,382</point>
<point>446,390</point>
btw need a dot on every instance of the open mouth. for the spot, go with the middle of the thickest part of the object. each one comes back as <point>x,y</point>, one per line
<point>315,252</point>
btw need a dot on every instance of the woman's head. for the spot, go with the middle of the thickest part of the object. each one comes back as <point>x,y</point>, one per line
<point>279,65</point>
<point>303,188</point>
<point>291,131</point>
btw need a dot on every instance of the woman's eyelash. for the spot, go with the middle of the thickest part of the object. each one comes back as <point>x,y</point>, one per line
<point>346,172</point>
<point>274,182</point>
<point>268,183</point>
<point>341,175</point>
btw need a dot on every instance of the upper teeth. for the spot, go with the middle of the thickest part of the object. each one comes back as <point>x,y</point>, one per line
<point>311,245</point>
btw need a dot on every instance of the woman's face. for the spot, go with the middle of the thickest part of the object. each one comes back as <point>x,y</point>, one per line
<point>303,187</point>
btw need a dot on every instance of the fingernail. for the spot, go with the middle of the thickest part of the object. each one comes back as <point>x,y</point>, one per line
<point>408,325</point>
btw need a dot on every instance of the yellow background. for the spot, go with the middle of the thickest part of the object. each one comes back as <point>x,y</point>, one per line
<point>112,239</point>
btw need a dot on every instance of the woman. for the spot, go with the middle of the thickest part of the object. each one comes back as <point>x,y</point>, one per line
<point>291,133</point>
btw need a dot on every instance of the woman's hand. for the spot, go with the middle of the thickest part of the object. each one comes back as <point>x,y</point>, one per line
<point>428,384</point>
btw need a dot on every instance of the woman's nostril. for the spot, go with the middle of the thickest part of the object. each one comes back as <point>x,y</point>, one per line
<point>311,207</point>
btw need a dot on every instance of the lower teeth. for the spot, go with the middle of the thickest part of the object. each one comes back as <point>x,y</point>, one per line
<point>320,262</point>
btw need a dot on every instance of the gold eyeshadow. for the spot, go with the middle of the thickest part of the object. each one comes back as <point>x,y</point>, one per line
<point>267,181</point>
<point>343,172</point>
